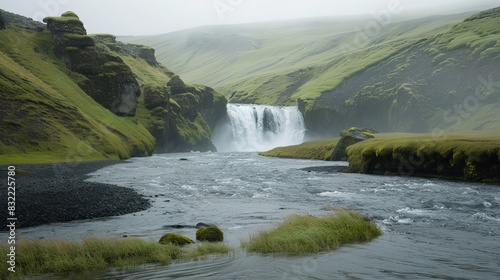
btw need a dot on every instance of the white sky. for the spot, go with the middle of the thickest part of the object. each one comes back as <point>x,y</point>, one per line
<point>147,17</point>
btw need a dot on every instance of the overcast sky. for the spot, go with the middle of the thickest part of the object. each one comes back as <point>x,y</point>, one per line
<point>147,17</point>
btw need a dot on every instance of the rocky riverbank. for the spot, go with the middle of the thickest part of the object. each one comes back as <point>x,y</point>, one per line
<point>51,193</point>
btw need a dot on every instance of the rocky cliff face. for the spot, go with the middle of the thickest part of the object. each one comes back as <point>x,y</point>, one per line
<point>178,115</point>
<point>20,21</point>
<point>46,115</point>
<point>107,79</point>
<point>184,120</point>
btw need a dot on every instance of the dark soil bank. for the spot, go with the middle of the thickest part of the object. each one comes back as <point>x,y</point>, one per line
<point>57,193</point>
<point>327,169</point>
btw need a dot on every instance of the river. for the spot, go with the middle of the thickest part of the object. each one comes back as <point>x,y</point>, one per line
<point>433,229</point>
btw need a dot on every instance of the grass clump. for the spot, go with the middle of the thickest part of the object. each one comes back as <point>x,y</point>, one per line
<point>304,234</point>
<point>57,256</point>
<point>320,150</point>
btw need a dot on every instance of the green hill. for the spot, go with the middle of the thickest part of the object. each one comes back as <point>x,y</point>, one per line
<point>439,72</point>
<point>67,96</point>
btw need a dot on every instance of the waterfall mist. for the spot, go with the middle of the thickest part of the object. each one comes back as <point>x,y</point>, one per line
<point>249,127</point>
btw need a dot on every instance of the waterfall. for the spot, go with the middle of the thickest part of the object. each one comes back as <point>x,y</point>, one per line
<point>258,128</point>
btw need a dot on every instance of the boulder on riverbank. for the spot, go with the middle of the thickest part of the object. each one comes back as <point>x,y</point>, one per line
<point>210,234</point>
<point>176,239</point>
<point>350,137</point>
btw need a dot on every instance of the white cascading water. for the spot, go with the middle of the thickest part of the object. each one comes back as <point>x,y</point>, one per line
<point>249,128</point>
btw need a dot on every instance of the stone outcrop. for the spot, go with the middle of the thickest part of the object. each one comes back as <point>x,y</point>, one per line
<point>183,122</point>
<point>20,21</point>
<point>177,86</point>
<point>211,104</point>
<point>140,51</point>
<point>181,116</point>
<point>350,137</point>
<point>109,80</point>
<point>144,52</point>
<point>155,96</point>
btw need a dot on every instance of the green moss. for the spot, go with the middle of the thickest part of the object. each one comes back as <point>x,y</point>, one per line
<point>69,14</point>
<point>304,234</point>
<point>470,171</point>
<point>470,156</point>
<point>193,132</point>
<point>175,239</point>
<point>320,150</point>
<point>71,49</point>
<point>210,234</point>
<point>71,20</point>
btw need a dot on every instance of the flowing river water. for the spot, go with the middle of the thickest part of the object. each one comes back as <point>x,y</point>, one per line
<point>433,229</point>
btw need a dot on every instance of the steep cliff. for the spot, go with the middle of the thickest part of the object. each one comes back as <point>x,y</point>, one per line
<point>108,80</point>
<point>68,96</point>
<point>179,116</point>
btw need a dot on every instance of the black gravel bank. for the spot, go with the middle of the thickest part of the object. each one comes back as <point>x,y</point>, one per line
<point>57,193</point>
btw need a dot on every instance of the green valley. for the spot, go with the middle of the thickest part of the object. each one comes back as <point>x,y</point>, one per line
<point>439,72</point>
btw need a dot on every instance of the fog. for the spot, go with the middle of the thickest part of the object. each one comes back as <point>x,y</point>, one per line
<point>147,17</point>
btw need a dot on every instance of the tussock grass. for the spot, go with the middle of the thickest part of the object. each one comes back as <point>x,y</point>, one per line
<point>303,234</point>
<point>58,256</point>
<point>320,149</point>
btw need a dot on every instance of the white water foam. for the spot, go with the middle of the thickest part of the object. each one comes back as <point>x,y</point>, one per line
<point>336,194</point>
<point>411,211</point>
<point>250,128</point>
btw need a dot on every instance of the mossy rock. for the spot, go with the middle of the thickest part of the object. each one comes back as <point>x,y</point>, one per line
<point>188,105</point>
<point>177,85</point>
<point>350,137</point>
<point>176,239</point>
<point>155,96</point>
<point>210,234</point>
<point>76,40</point>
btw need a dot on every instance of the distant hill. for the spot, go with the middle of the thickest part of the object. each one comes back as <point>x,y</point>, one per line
<point>69,96</point>
<point>439,72</point>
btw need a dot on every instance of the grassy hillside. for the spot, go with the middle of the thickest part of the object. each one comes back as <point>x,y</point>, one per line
<point>224,56</point>
<point>67,96</point>
<point>319,149</point>
<point>46,117</point>
<point>406,77</point>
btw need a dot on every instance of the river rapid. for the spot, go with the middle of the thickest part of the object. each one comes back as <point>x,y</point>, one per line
<point>433,229</point>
